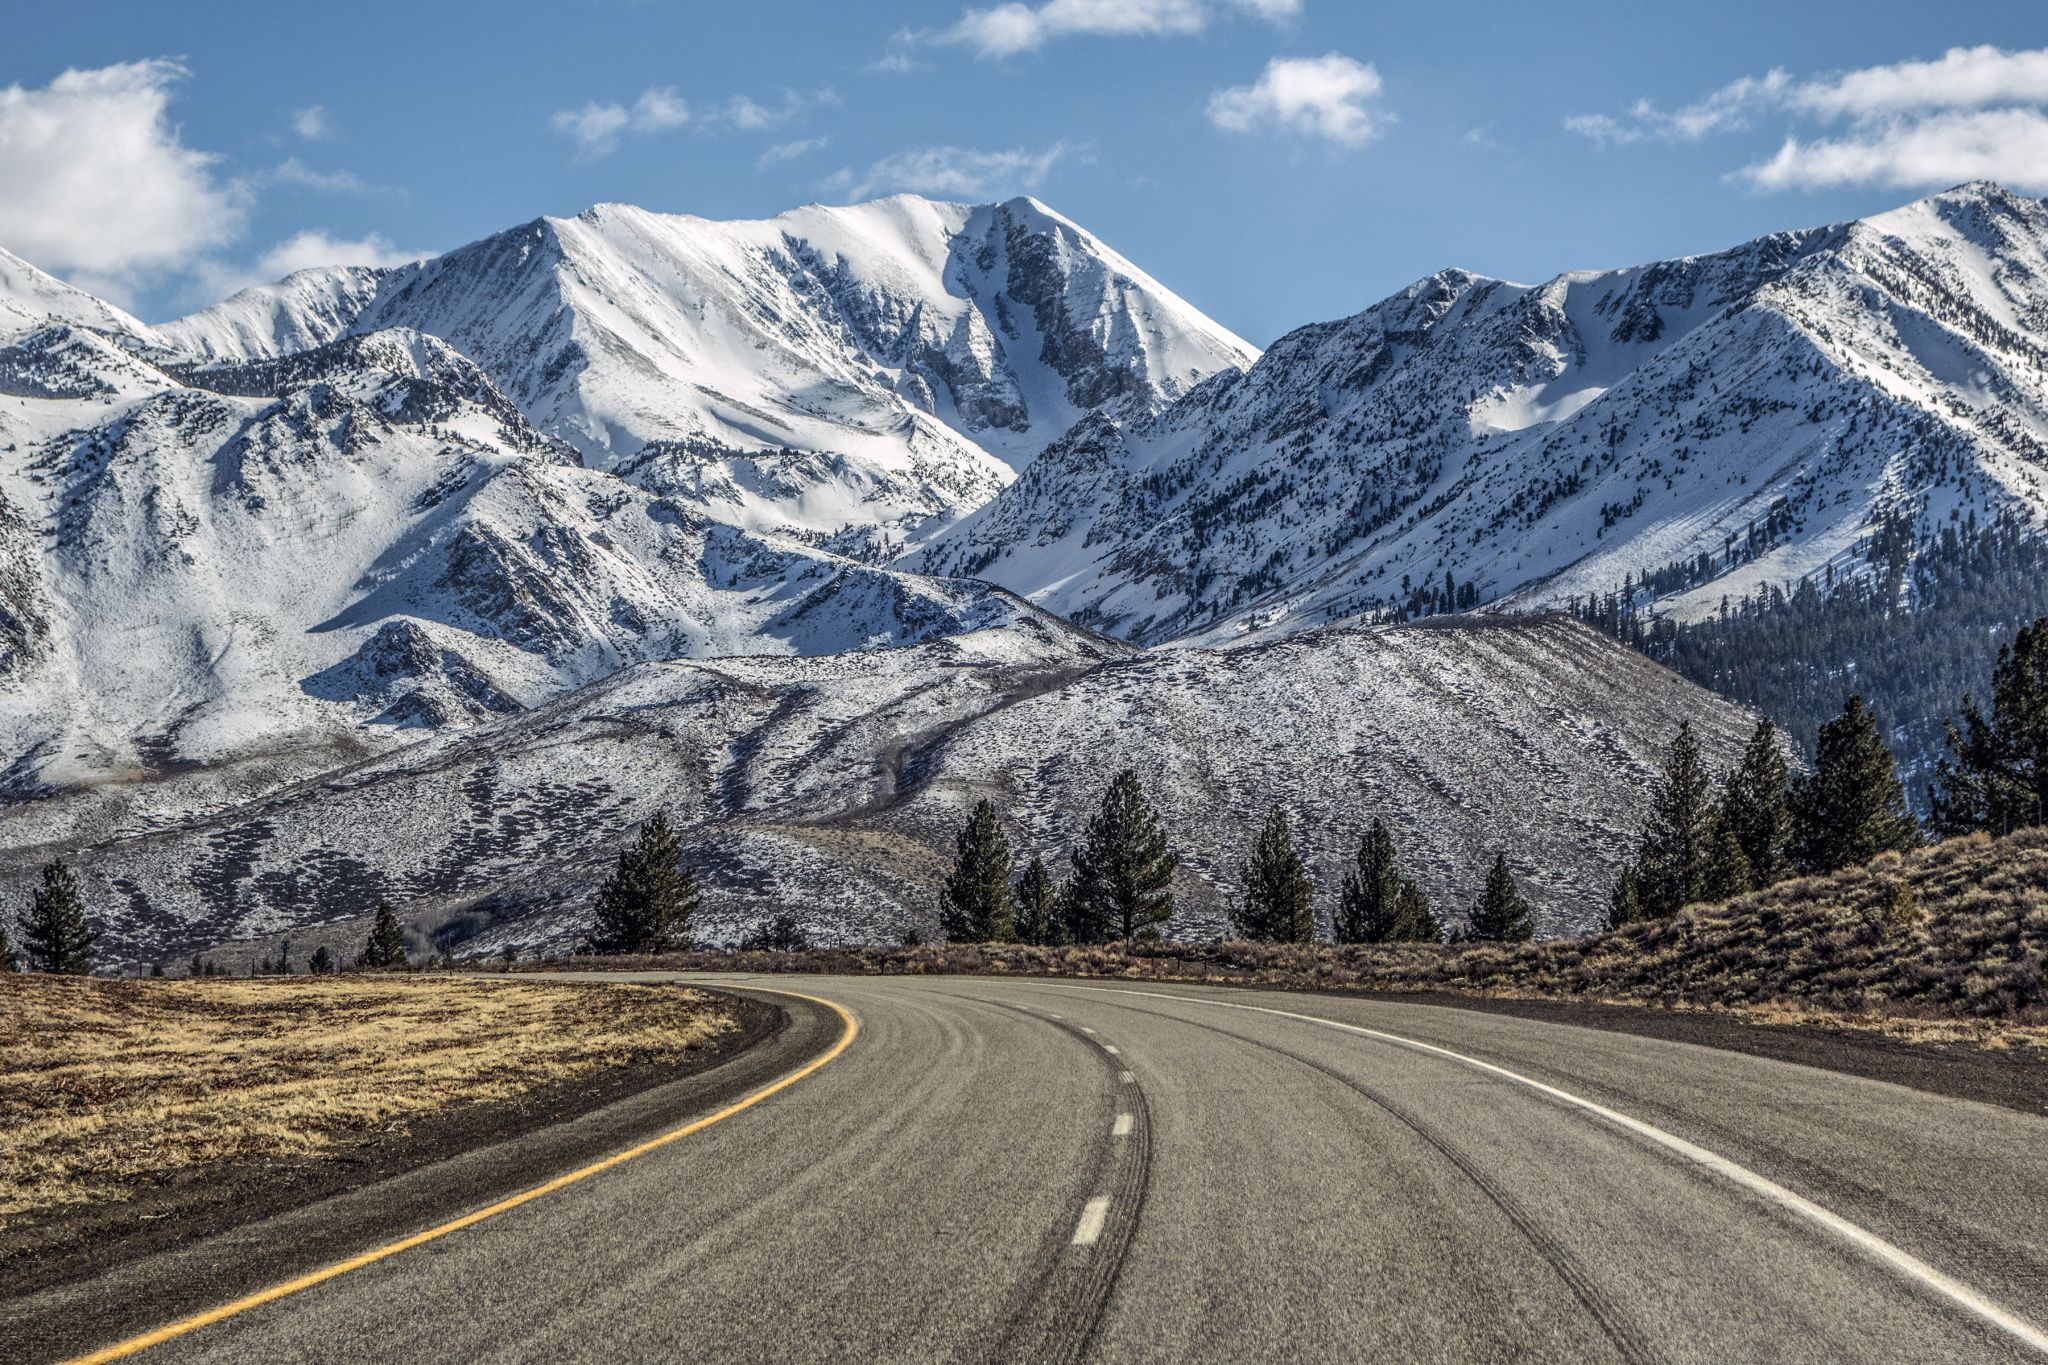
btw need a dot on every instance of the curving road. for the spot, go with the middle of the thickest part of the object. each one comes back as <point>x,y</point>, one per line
<point>1039,1170</point>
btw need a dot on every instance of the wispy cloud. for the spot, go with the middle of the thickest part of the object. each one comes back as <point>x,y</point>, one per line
<point>292,171</point>
<point>783,152</point>
<point>302,251</point>
<point>1008,29</point>
<point>1973,113</point>
<point>950,172</point>
<point>597,127</point>
<point>1330,97</point>
<point>312,123</point>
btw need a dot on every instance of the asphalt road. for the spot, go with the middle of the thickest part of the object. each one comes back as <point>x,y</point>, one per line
<point>1037,1170</point>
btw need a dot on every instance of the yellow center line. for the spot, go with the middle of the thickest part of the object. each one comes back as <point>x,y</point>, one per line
<point>277,1291</point>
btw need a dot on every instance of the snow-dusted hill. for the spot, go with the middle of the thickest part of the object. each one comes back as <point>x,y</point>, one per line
<point>328,550</point>
<point>834,369</point>
<point>1473,440</point>
<point>834,786</point>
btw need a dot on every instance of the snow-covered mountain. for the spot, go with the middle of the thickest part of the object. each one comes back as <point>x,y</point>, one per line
<point>330,549</point>
<point>833,787</point>
<point>876,367</point>
<point>1731,419</point>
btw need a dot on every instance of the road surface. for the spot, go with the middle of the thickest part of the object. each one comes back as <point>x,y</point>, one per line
<point>1040,1170</point>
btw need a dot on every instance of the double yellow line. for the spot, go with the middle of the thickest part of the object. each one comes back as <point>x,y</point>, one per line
<point>275,1292</point>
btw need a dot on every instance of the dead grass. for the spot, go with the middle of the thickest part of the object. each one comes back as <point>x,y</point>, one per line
<point>107,1085</point>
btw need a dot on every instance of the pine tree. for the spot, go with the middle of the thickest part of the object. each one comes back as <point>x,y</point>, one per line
<point>782,933</point>
<point>1728,872</point>
<point>1501,914</point>
<point>1277,903</point>
<point>1375,903</point>
<point>1123,871</point>
<point>10,961</point>
<point>974,902</point>
<point>1368,900</point>
<point>386,944</point>
<point>1756,806</point>
<point>1853,807</point>
<point>1996,775</point>
<point>1672,868</point>
<point>1037,901</point>
<point>645,906</point>
<point>1625,901</point>
<point>55,935</point>
<point>1414,921</point>
<point>322,962</point>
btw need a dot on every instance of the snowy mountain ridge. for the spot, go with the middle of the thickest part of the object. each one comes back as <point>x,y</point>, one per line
<point>1470,440</point>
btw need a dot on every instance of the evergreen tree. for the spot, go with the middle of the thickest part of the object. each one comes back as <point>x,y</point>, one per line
<point>782,933</point>
<point>1123,871</point>
<point>1414,921</point>
<point>156,971</point>
<point>1277,903</point>
<point>55,935</point>
<point>1672,869</point>
<point>1375,903</point>
<point>646,904</point>
<point>1037,901</point>
<point>1501,914</point>
<point>322,962</point>
<point>1853,807</point>
<point>974,902</point>
<point>1625,901</point>
<point>1728,871</point>
<point>1996,775</point>
<point>1368,900</point>
<point>10,960</point>
<point>1756,808</point>
<point>386,944</point>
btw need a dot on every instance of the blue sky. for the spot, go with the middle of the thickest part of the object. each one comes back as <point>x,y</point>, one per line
<point>1275,161</point>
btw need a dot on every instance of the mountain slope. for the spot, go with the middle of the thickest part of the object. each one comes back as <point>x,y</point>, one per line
<point>1703,424</point>
<point>831,369</point>
<point>305,309</point>
<point>834,786</point>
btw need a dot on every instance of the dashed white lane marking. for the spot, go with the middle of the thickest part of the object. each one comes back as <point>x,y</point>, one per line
<point>1122,1126</point>
<point>1126,1077</point>
<point>1870,1243</point>
<point>1110,1049</point>
<point>1086,1029</point>
<point>1093,1215</point>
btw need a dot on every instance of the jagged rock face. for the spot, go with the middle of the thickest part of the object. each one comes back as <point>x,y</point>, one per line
<point>914,350</point>
<point>834,787</point>
<point>1761,407</point>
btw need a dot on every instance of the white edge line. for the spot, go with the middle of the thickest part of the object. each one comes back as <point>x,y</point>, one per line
<point>1093,1215</point>
<point>1126,1077</point>
<point>1869,1242</point>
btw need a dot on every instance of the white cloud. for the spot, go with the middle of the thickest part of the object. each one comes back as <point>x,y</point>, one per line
<point>1976,113</point>
<point>94,179</point>
<point>301,251</point>
<point>597,127</point>
<point>1008,29</point>
<point>292,171</point>
<point>950,172</point>
<point>312,123</point>
<point>2010,145</point>
<point>790,151</point>
<point>1964,78</point>
<point>1330,96</point>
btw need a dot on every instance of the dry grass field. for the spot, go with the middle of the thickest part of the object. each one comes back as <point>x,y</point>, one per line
<point>1943,944</point>
<point>107,1086</point>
